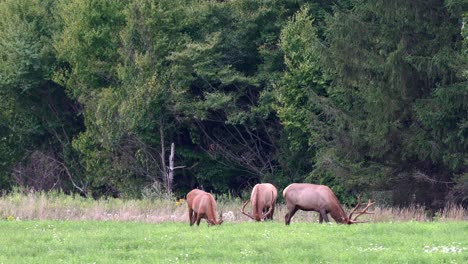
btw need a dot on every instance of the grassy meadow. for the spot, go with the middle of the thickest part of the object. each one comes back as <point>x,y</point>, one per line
<point>247,242</point>
<point>57,228</point>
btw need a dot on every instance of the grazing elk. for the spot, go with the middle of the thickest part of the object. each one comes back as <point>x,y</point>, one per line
<point>263,199</point>
<point>319,198</point>
<point>202,205</point>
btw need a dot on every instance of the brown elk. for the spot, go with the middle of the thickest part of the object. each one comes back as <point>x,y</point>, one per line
<point>263,199</point>
<point>202,205</point>
<point>319,198</point>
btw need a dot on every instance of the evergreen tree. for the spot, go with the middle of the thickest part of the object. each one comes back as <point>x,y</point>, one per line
<point>395,68</point>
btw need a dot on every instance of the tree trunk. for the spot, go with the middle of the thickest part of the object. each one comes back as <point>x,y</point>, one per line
<point>170,172</point>
<point>164,169</point>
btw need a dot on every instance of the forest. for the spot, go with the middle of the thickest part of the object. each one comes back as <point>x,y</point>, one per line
<point>368,97</point>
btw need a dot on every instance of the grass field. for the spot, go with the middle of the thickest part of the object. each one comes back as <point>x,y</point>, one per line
<point>58,228</point>
<point>246,242</point>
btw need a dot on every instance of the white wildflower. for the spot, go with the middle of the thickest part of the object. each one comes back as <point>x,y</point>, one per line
<point>371,247</point>
<point>455,248</point>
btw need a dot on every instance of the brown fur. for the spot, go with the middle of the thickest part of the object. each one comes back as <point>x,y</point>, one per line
<point>319,198</point>
<point>202,205</point>
<point>263,199</point>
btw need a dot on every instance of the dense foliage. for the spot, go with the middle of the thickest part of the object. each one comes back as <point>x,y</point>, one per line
<point>368,97</point>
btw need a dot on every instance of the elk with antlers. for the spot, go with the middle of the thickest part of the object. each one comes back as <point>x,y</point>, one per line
<point>319,198</point>
<point>263,199</point>
<point>202,205</point>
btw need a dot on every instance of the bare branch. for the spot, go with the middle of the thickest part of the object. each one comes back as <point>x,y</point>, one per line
<point>251,154</point>
<point>69,174</point>
<point>424,177</point>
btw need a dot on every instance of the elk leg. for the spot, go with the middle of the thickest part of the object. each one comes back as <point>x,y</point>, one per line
<point>199,217</point>
<point>289,215</point>
<point>194,218</point>
<point>323,216</point>
<point>264,211</point>
<point>271,213</point>
<point>191,216</point>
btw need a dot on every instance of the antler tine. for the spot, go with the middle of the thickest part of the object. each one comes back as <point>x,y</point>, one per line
<point>359,204</point>
<point>358,222</point>
<point>267,213</point>
<point>269,210</point>
<point>243,208</point>
<point>364,211</point>
<point>244,204</point>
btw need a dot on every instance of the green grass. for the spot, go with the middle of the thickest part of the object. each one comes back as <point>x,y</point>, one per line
<point>247,242</point>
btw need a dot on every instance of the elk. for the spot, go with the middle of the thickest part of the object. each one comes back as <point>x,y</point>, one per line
<point>202,205</point>
<point>263,200</point>
<point>319,198</point>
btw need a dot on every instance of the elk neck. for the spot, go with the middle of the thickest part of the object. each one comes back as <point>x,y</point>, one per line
<point>337,212</point>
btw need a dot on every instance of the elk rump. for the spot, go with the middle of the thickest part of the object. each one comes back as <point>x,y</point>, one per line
<point>262,199</point>
<point>202,205</point>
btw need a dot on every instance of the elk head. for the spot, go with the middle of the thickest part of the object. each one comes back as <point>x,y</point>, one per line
<point>212,221</point>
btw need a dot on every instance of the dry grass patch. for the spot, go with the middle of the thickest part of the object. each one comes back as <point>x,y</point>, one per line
<point>58,206</point>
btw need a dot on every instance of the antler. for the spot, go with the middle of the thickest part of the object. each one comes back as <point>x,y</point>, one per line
<point>267,213</point>
<point>243,208</point>
<point>364,211</point>
<point>270,209</point>
<point>252,216</point>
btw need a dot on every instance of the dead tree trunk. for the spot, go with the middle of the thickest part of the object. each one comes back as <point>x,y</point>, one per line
<point>163,158</point>
<point>169,171</point>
